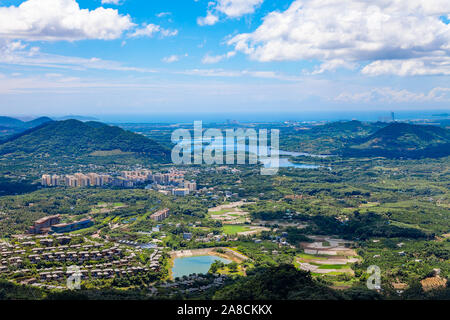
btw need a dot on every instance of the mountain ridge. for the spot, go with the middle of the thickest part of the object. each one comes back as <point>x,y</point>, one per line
<point>402,140</point>
<point>76,138</point>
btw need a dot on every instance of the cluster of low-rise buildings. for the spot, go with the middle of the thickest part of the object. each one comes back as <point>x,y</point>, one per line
<point>210,237</point>
<point>74,254</point>
<point>87,259</point>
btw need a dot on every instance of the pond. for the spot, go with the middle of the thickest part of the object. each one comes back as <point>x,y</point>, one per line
<point>185,266</point>
<point>286,163</point>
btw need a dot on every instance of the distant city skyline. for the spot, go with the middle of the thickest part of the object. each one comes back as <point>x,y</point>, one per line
<point>213,117</point>
<point>116,57</point>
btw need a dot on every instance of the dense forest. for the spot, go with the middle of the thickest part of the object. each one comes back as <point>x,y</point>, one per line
<point>74,138</point>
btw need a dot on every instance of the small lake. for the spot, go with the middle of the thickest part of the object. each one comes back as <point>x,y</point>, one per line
<point>286,163</point>
<point>185,266</point>
<point>283,162</point>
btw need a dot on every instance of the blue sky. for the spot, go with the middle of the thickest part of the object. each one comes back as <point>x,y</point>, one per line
<point>144,57</point>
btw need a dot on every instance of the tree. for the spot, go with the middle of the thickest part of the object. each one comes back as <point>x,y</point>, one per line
<point>215,266</point>
<point>233,267</point>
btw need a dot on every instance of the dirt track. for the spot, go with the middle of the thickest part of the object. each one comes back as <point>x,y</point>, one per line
<point>229,254</point>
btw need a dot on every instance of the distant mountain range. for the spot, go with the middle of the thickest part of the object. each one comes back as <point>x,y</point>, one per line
<point>77,117</point>
<point>402,140</point>
<point>8,122</point>
<point>74,138</point>
<point>10,126</point>
<point>371,139</point>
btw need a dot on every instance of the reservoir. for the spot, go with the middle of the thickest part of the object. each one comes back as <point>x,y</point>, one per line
<point>286,163</point>
<point>185,266</point>
<point>205,144</point>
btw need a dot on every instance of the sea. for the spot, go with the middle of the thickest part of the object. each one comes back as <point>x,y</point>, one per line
<point>306,116</point>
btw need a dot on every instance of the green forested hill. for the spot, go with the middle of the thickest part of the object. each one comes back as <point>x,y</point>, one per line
<point>403,140</point>
<point>347,129</point>
<point>37,122</point>
<point>329,138</point>
<point>10,126</point>
<point>75,138</point>
<point>10,122</point>
<point>414,135</point>
<point>285,282</point>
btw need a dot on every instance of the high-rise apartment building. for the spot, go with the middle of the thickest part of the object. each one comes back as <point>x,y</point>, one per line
<point>46,180</point>
<point>191,185</point>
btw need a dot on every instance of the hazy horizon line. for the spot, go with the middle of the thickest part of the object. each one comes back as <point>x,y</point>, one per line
<point>245,116</point>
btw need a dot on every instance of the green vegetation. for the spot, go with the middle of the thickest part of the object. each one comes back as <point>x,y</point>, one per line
<point>391,211</point>
<point>233,229</point>
<point>220,212</point>
<point>72,138</point>
<point>10,126</point>
<point>283,282</point>
<point>403,140</point>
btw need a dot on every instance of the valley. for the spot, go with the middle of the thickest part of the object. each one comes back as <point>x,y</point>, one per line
<point>323,224</point>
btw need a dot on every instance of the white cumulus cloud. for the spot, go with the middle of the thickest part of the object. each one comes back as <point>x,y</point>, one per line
<point>390,95</point>
<point>402,37</point>
<point>209,59</point>
<point>237,8</point>
<point>149,30</point>
<point>173,58</point>
<point>170,59</point>
<point>163,14</point>
<point>228,8</point>
<point>209,20</point>
<point>116,2</point>
<point>53,20</point>
<point>431,65</point>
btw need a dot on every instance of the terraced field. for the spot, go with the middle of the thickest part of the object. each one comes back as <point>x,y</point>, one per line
<point>230,213</point>
<point>327,255</point>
